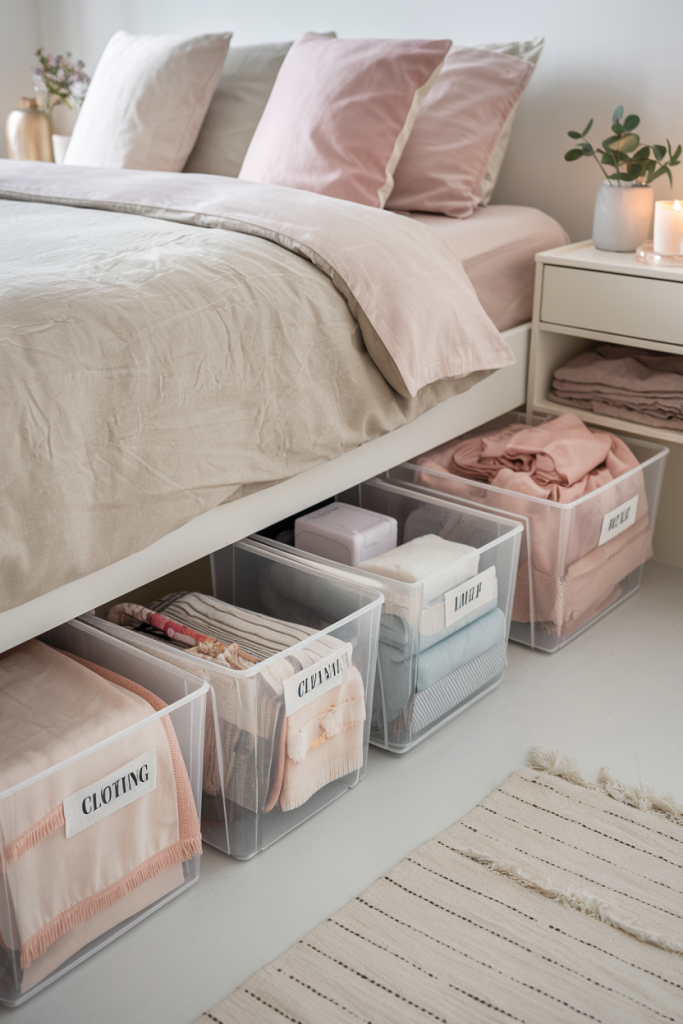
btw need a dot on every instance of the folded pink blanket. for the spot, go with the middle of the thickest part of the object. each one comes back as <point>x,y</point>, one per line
<point>52,707</point>
<point>559,460</point>
<point>631,383</point>
<point>564,571</point>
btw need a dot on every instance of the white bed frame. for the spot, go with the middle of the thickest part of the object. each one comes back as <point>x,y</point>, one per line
<point>498,394</point>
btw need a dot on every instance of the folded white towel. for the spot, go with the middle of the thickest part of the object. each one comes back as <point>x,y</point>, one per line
<point>424,556</point>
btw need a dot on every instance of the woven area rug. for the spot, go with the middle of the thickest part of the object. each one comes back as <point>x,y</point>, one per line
<point>554,900</point>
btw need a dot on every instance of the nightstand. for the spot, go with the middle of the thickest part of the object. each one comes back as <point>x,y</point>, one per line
<point>583,296</point>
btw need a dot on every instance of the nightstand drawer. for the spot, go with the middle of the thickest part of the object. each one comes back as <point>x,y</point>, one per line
<point>622,304</point>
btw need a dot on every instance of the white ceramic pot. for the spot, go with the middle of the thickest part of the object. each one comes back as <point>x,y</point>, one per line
<point>622,217</point>
<point>60,145</point>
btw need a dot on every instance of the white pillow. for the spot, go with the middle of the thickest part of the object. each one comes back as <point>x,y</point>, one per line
<point>530,50</point>
<point>147,101</point>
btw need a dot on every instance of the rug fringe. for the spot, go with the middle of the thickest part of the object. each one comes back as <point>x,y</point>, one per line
<point>578,899</point>
<point>644,799</point>
<point>552,763</point>
<point>640,797</point>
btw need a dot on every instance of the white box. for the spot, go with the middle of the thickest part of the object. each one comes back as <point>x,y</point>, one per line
<point>345,533</point>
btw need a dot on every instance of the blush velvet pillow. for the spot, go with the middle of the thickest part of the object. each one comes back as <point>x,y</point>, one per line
<point>340,113</point>
<point>147,101</point>
<point>456,131</point>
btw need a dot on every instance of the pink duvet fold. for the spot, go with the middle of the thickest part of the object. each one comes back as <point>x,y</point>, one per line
<point>418,311</point>
<point>53,707</point>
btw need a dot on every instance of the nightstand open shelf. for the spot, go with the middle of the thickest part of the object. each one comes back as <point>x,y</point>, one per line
<point>584,297</point>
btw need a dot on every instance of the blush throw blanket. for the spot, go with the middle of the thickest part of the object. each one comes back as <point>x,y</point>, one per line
<point>54,706</point>
<point>154,369</point>
<point>560,461</point>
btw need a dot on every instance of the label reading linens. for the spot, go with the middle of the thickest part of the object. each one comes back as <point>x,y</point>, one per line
<point>618,520</point>
<point>471,594</point>
<point>305,686</point>
<point>114,791</point>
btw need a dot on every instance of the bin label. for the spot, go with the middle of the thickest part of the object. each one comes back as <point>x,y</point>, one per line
<point>473,593</point>
<point>618,520</point>
<point>111,793</point>
<point>325,674</point>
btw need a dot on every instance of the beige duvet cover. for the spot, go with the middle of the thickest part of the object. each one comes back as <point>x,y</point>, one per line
<point>153,369</point>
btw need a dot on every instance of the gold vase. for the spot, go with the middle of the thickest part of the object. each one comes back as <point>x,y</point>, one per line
<point>29,133</point>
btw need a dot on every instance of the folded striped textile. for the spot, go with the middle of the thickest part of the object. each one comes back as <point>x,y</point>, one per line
<point>254,738</point>
<point>67,889</point>
<point>406,674</point>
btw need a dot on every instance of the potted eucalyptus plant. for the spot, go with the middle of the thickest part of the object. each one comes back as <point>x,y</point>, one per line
<point>625,200</point>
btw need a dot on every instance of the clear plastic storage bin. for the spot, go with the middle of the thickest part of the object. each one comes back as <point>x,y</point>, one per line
<point>290,735</point>
<point>579,560</point>
<point>443,639</point>
<point>67,890</point>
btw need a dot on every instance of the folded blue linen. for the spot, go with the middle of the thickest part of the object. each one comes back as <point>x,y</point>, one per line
<point>435,662</point>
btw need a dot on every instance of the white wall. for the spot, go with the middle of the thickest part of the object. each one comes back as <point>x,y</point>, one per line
<point>19,40</point>
<point>598,53</point>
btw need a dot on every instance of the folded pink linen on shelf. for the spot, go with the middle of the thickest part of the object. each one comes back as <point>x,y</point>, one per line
<point>52,707</point>
<point>630,383</point>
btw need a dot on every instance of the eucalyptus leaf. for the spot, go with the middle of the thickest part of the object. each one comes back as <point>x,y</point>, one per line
<point>622,151</point>
<point>628,143</point>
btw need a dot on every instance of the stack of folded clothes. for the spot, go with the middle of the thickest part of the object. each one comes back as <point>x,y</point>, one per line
<point>65,888</point>
<point>430,667</point>
<point>259,756</point>
<point>631,383</point>
<point>568,577</point>
<point>426,667</point>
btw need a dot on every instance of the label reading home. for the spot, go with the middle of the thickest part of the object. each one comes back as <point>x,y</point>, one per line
<point>618,520</point>
<point>472,594</point>
<point>114,791</point>
<point>308,684</point>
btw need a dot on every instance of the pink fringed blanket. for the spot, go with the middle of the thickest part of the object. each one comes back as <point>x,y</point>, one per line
<point>52,707</point>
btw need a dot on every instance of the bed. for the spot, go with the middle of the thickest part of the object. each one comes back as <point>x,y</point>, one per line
<point>84,519</point>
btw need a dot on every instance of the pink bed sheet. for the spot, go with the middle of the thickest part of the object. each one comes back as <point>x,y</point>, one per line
<point>497,245</point>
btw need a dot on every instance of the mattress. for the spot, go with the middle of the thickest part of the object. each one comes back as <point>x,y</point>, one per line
<point>497,245</point>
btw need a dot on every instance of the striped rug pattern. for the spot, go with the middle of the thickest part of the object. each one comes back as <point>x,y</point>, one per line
<point>553,901</point>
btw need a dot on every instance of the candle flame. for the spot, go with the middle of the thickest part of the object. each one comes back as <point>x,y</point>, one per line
<point>677,205</point>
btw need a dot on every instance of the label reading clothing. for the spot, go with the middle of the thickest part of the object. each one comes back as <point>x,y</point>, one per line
<point>111,793</point>
<point>618,520</point>
<point>474,593</point>
<point>325,674</point>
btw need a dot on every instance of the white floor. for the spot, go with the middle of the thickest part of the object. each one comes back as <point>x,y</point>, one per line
<point>612,697</point>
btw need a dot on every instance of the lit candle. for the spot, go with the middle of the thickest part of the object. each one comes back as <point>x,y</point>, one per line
<point>668,240</point>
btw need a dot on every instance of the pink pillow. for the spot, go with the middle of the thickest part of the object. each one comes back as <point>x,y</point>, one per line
<point>340,113</point>
<point>455,132</point>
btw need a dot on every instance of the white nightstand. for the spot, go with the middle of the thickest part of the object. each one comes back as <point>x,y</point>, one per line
<point>583,296</point>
